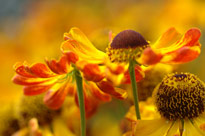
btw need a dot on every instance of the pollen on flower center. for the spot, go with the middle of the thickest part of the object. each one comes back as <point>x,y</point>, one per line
<point>180,96</point>
<point>127,45</point>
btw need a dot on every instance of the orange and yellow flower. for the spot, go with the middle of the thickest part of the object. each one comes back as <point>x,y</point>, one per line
<point>57,80</point>
<point>115,73</point>
<point>171,47</point>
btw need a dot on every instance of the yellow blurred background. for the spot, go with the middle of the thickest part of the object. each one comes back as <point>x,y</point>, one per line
<point>31,30</point>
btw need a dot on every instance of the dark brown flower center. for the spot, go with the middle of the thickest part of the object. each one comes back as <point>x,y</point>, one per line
<point>180,96</point>
<point>128,38</point>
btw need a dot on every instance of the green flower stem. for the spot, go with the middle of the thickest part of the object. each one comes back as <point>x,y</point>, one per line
<point>79,84</point>
<point>134,87</point>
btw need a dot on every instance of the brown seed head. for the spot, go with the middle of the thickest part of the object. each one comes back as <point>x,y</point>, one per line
<point>128,38</point>
<point>180,96</point>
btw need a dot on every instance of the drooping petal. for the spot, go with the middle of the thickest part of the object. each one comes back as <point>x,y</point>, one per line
<point>70,87</point>
<point>59,67</point>
<point>55,97</point>
<point>35,89</point>
<point>190,38</point>
<point>172,47</point>
<point>78,43</point>
<point>80,37</point>
<point>108,88</point>
<point>167,39</point>
<point>96,92</point>
<point>28,81</point>
<point>149,57</point>
<point>63,64</point>
<point>23,70</point>
<point>41,70</point>
<point>139,75</point>
<point>183,55</point>
<point>52,65</point>
<point>92,72</point>
<point>157,127</point>
<point>91,103</point>
<point>72,57</point>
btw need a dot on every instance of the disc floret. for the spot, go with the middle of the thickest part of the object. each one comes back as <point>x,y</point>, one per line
<point>180,96</point>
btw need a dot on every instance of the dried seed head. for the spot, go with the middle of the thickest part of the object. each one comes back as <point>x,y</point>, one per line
<point>180,96</point>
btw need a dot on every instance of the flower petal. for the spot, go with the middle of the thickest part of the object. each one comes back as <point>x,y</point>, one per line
<point>59,67</point>
<point>72,57</point>
<point>23,70</point>
<point>115,68</point>
<point>28,81</point>
<point>55,97</point>
<point>41,70</point>
<point>167,39</point>
<point>52,64</point>
<point>92,72</point>
<point>191,130</point>
<point>108,88</point>
<point>149,57</point>
<point>139,75</point>
<point>157,127</point>
<point>80,37</point>
<point>35,89</point>
<point>63,64</point>
<point>70,87</point>
<point>183,55</point>
<point>78,43</point>
<point>98,93</point>
<point>200,121</point>
<point>174,129</point>
<point>91,104</point>
<point>189,39</point>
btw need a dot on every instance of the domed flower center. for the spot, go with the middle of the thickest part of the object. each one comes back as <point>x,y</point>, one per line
<point>128,39</point>
<point>180,96</point>
<point>127,45</point>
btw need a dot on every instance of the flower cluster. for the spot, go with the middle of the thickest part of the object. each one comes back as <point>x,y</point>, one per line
<point>179,98</point>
